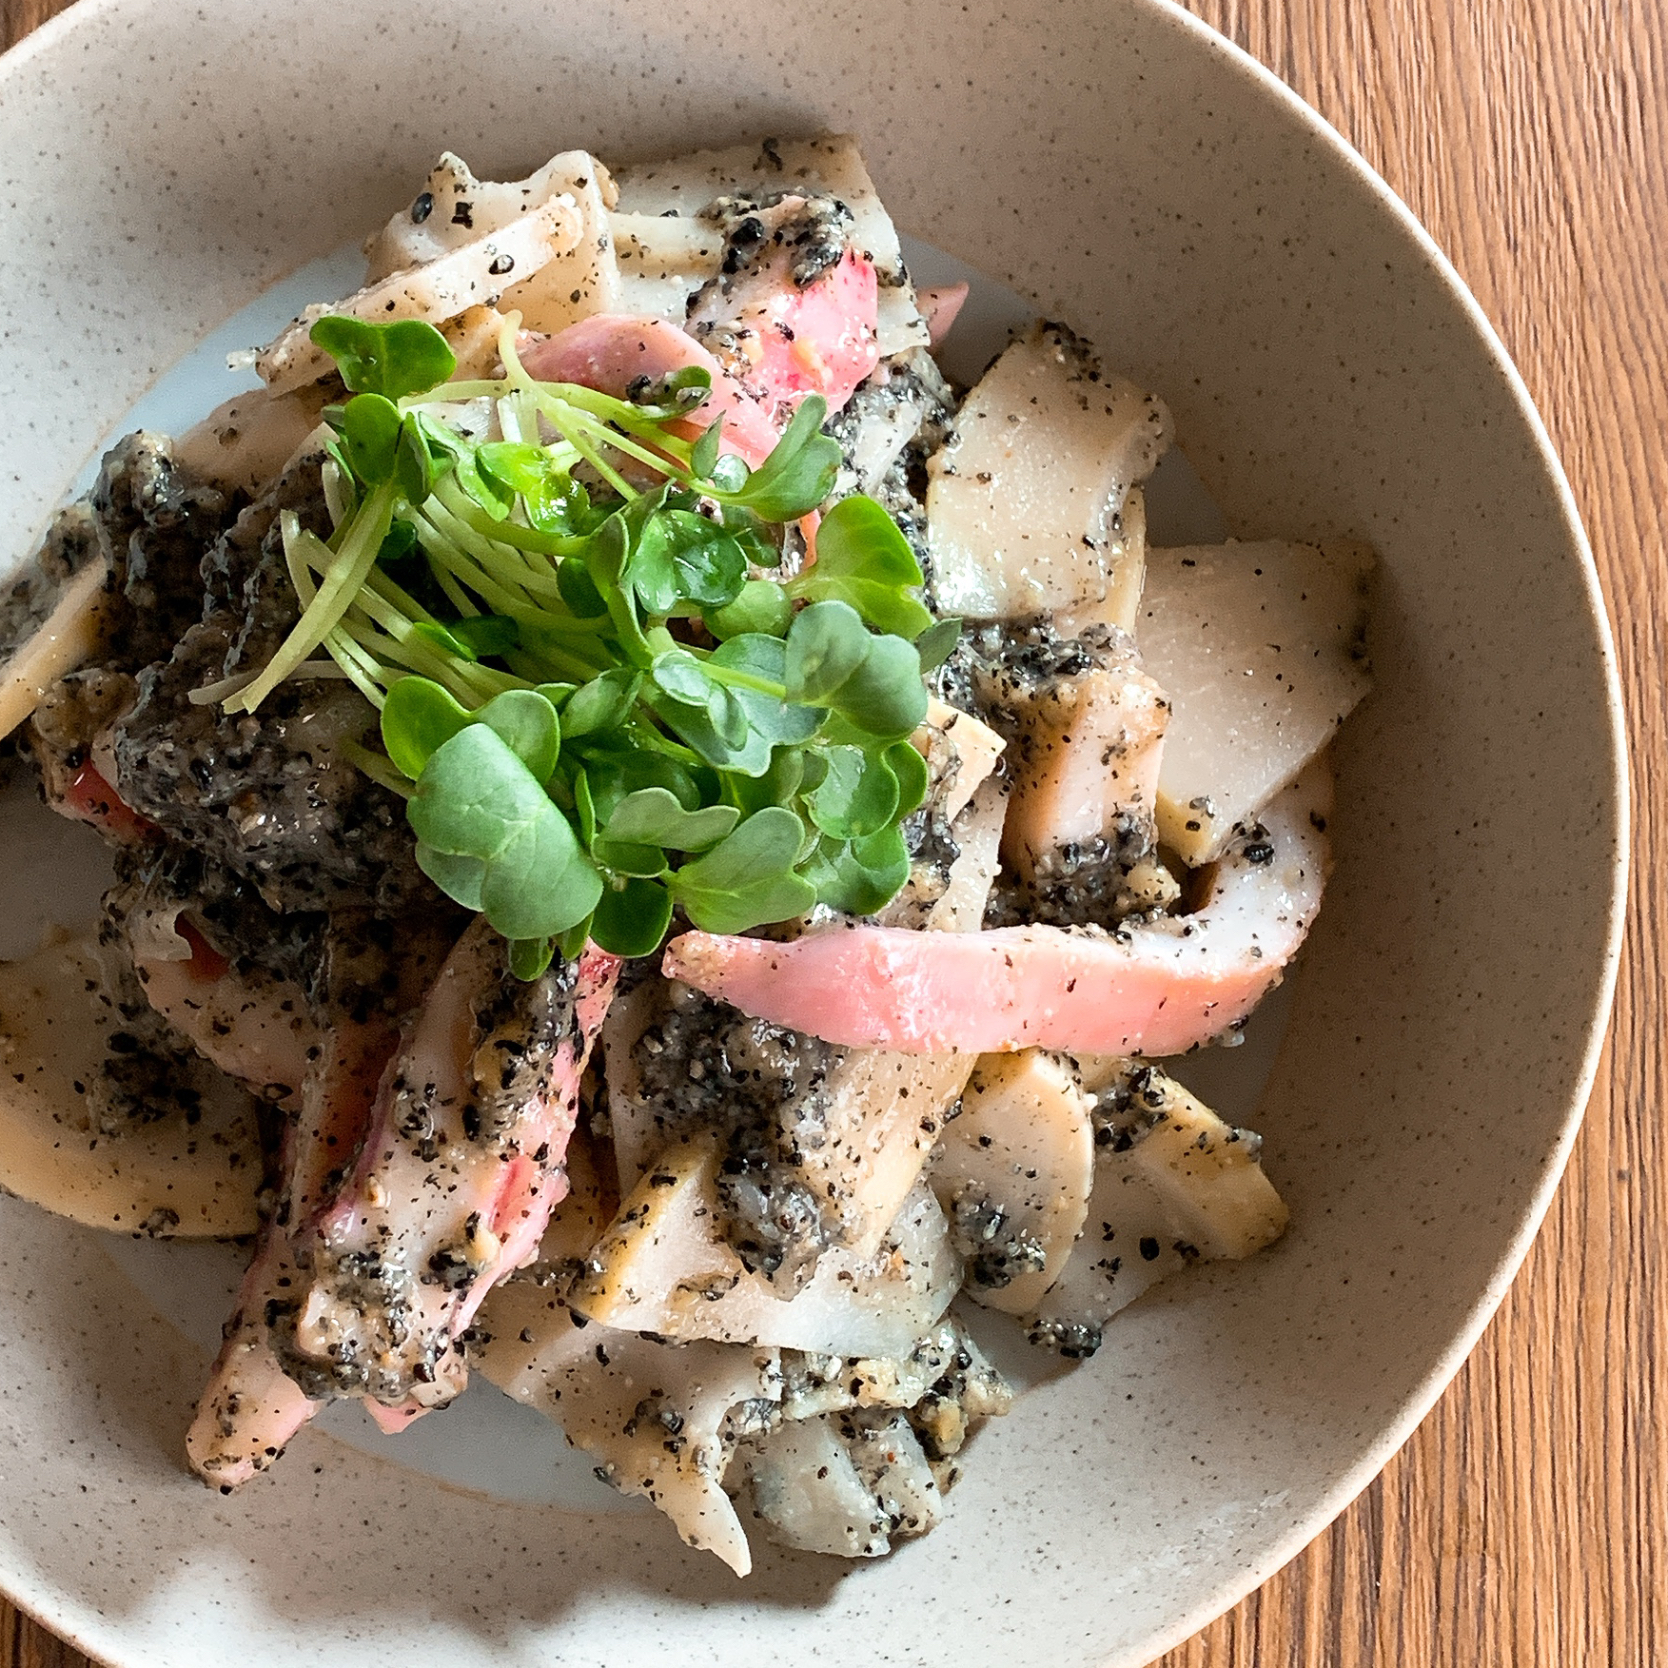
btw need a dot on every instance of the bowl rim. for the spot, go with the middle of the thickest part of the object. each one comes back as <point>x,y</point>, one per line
<point>43,1605</point>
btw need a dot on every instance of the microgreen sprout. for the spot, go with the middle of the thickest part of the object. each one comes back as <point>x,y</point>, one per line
<point>599,702</point>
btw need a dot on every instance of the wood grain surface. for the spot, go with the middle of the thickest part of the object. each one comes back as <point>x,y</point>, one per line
<point>1523,1525</point>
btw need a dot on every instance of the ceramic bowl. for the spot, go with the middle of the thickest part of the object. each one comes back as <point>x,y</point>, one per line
<point>1132,173</point>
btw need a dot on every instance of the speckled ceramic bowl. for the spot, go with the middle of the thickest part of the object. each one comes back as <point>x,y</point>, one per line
<point>1133,174</point>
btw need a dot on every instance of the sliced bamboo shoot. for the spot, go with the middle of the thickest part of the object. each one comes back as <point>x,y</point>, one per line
<point>1023,499</point>
<point>1259,647</point>
<point>170,1177</point>
<point>69,635</point>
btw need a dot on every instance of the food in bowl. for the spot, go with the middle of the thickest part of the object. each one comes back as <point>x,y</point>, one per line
<point>660,846</point>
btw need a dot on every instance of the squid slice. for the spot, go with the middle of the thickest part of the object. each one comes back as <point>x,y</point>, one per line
<point>67,637</point>
<point>1023,500</point>
<point>1162,987</point>
<point>192,1173</point>
<point>1014,1175</point>
<point>456,1181</point>
<point>661,1268</point>
<point>1173,1184</point>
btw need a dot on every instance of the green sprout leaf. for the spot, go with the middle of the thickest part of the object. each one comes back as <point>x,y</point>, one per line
<point>632,918</point>
<point>863,559</point>
<point>859,876</point>
<point>418,718</point>
<point>477,798</point>
<point>798,474</point>
<point>747,879</point>
<point>655,816</point>
<point>393,359</point>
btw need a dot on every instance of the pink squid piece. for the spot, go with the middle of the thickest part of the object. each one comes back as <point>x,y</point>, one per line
<point>455,1183</point>
<point>611,351</point>
<point>940,306</point>
<point>1156,988</point>
<point>816,340</point>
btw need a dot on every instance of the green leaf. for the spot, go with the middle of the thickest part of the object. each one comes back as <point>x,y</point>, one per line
<point>863,559</point>
<point>709,565</point>
<point>529,957</point>
<point>369,426</point>
<point>858,795</point>
<point>477,799</point>
<point>937,643</point>
<point>570,945</point>
<point>654,816</point>
<point>432,631</point>
<point>681,675</point>
<point>400,542</point>
<point>526,722</point>
<point>704,454</point>
<point>747,879</point>
<point>417,718</point>
<point>460,878</point>
<point>800,471</point>
<point>631,920</point>
<point>579,592</point>
<point>487,634</point>
<point>913,778</point>
<point>778,785</point>
<point>885,696</point>
<point>827,643</point>
<point>396,358</point>
<point>760,606</point>
<point>859,876</point>
<point>626,858</point>
<point>602,704</point>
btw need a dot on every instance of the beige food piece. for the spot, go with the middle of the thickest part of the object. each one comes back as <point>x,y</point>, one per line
<point>1173,1184</point>
<point>1090,757</point>
<point>661,1267</point>
<point>844,1484</point>
<point>684,185</point>
<point>1259,648</point>
<point>244,444</point>
<point>960,750</point>
<point>1126,574</point>
<point>477,273</point>
<point>1017,1165</point>
<point>60,643</point>
<point>168,1178</point>
<point>657,1415</point>
<point>621,1397</point>
<point>461,208</point>
<point>1022,499</point>
<point>978,834</point>
<point>663,259</point>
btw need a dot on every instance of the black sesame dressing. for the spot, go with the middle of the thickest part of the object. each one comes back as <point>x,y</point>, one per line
<point>763,1088</point>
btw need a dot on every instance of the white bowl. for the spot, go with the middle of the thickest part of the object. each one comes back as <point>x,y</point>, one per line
<point>1139,177</point>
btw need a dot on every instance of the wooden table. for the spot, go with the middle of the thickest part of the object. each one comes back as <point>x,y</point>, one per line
<point>1523,1525</point>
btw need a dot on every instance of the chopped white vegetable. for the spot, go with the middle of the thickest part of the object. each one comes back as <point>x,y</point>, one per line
<point>477,273</point>
<point>1126,573</point>
<point>684,185</point>
<point>67,637</point>
<point>663,260</point>
<point>662,1268</point>
<point>978,834</point>
<point>960,750</point>
<point>1173,1184</point>
<point>172,1177</point>
<point>1259,648</point>
<point>1023,500</point>
<point>1014,1175</point>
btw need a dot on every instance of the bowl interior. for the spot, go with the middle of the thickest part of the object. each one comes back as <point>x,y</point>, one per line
<point>1130,174</point>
